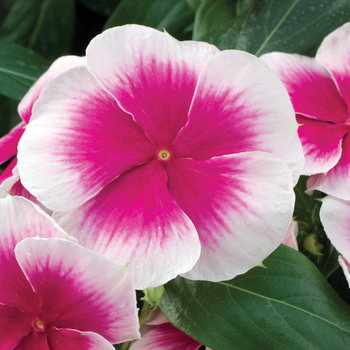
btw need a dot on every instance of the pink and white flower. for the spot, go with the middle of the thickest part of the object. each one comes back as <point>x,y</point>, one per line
<point>55,294</point>
<point>9,142</point>
<point>320,92</point>
<point>290,239</point>
<point>159,334</point>
<point>164,153</point>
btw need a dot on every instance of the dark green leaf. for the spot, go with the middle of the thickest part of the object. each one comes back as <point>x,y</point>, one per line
<point>8,115</point>
<point>5,6</point>
<point>287,305</point>
<point>103,7</point>
<point>19,69</point>
<point>194,4</point>
<point>268,25</point>
<point>172,15</point>
<point>45,26</point>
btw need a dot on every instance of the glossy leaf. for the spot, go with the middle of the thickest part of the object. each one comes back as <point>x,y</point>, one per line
<point>172,15</point>
<point>287,305</point>
<point>19,69</point>
<point>266,25</point>
<point>45,26</point>
<point>103,7</point>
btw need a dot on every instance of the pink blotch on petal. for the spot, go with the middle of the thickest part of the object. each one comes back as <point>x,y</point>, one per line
<point>241,206</point>
<point>134,219</point>
<point>79,289</point>
<point>334,54</point>
<point>152,75</point>
<point>322,144</point>
<point>310,86</point>
<point>14,325</point>
<point>93,142</point>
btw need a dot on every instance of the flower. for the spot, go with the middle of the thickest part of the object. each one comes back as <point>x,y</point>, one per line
<point>159,334</point>
<point>155,153</point>
<point>55,294</point>
<point>9,142</point>
<point>319,89</point>
<point>290,239</point>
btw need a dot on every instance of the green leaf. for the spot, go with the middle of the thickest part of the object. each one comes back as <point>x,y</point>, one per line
<point>5,6</point>
<point>19,69</point>
<point>194,4</point>
<point>103,7</point>
<point>268,25</point>
<point>8,115</point>
<point>172,15</point>
<point>287,305</point>
<point>45,26</point>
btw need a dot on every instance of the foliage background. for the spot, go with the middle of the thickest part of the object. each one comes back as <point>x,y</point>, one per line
<point>300,300</point>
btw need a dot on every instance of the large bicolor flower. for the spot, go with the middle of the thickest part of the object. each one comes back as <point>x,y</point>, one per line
<point>55,294</point>
<point>9,142</point>
<point>320,92</point>
<point>163,154</point>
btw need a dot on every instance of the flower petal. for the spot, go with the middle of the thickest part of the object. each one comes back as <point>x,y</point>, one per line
<point>79,289</point>
<point>9,142</point>
<point>290,239</point>
<point>334,54</point>
<point>165,337</point>
<point>335,218</point>
<point>346,268</point>
<point>14,325</point>
<point>322,144</point>
<point>33,341</point>
<point>86,141</point>
<point>135,219</point>
<point>310,86</point>
<point>70,339</point>
<point>60,65</point>
<point>239,106</point>
<point>20,219</point>
<point>241,206</point>
<point>336,181</point>
<point>152,75</point>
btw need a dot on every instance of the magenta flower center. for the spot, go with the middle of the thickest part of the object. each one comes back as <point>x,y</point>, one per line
<point>164,154</point>
<point>38,325</point>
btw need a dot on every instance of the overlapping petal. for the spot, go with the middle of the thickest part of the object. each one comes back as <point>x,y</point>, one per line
<point>334,54</point>
<point>79,289</point>
<point>86,141</point>
<point>33,341</point>
<point>346,268</point>
<point>239,106</point>
<point>70,339</point>
<point>336,182</point>
<point>17,223</point>
<point>142,67</point>
<point>241,206</point>
<point>322,144</point>
<point>7,173</point>
<point>60,65</point>
<point>310,87</point>
<point>290,239</point>
<point>335,218</point>
<point>134,219</point>
<point>8,143</point>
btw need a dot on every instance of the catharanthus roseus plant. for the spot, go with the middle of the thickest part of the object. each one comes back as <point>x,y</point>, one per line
<point>319,89</point>
<point>164,154</point>
<point>55,294</point>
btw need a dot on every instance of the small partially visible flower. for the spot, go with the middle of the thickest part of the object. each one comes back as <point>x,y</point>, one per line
<point>168,155</point>
<point>320,92</point>
<point>55,294</point>
<point>159,334</point>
